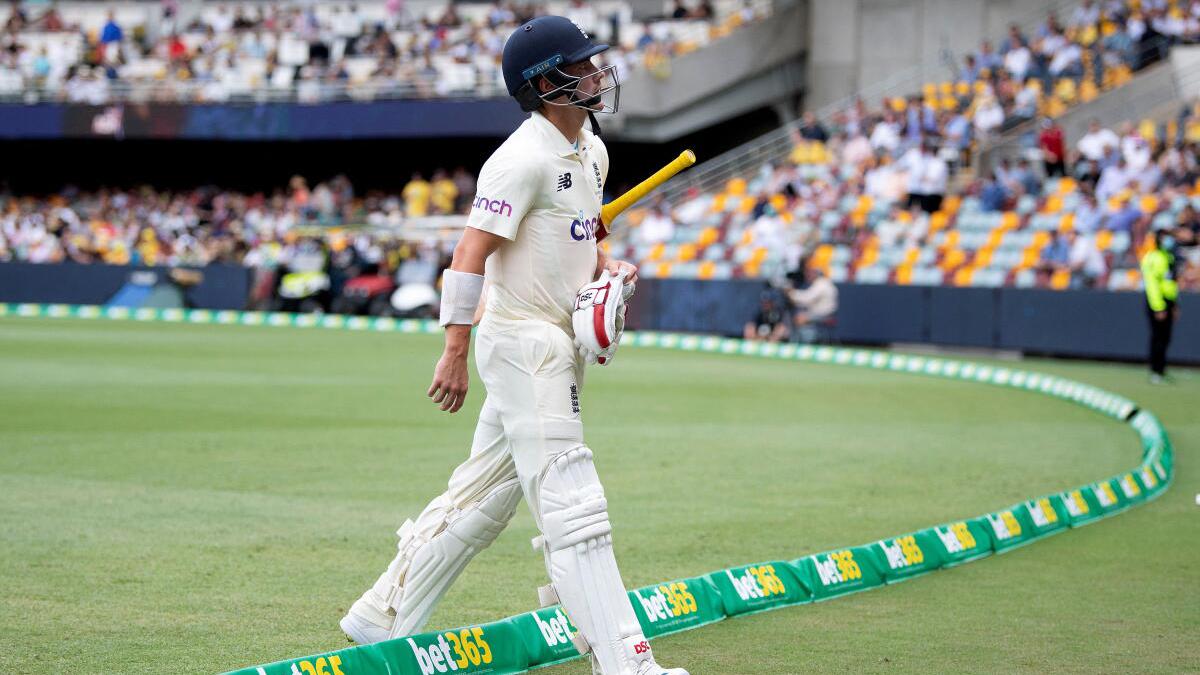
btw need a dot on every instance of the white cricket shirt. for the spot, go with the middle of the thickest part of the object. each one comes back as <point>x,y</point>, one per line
<point>542,194</point>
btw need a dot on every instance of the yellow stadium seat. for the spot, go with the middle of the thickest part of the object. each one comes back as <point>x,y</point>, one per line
<point>687,252</point>
<point>718,203</point>
<point>983,257</point>
<point>1149,130</point>
<point>1067,185</point>
<point>708,236</point>
<point>995,237</point>
<point>779,202</point>
<point>1009,220</point>
<point>1148,204</point>
<point>1104,239</point>
<point>938,220</point>
<point>736,186</point>
<point>821,257</point>
<point>951,203</point>
<point>707,268</point>
<point>746,205</point>
<point>759,254</point>
<point>1054,204</point>
<point>929,90</point>
<point>951,240</point>
<point>662,270</point>
<point>904,274</point>
<point>656,252</point>
<point>747,238</point>
<point>1029,257</point>
<point>869,256</point>
<point>1067,223</point>
<point>963,276</point>
<point>953,259</point>
<point>1065,89</point>
<point>1060,280</point>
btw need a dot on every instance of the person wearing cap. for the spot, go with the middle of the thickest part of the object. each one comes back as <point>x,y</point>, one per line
<point>533,234</point>
<point>1158,277</point>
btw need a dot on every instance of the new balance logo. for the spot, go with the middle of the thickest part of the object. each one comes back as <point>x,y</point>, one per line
<point>564,181</point>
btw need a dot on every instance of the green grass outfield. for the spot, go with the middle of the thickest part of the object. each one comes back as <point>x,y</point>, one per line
<point>194,498</point>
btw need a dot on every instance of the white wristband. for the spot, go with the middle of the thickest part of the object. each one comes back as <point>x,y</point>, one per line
<point>460,297</point>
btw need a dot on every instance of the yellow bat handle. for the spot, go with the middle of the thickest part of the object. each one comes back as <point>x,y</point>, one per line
<point>611,210</point>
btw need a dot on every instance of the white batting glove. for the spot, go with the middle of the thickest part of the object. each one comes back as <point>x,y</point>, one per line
<point>599,317</point>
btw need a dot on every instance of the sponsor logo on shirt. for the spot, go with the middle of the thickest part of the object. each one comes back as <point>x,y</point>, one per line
<point>499,206</point>
<point>564,182</point>
<point>583,228</point>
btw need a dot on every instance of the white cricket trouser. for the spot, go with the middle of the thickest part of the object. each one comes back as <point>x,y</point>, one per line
<point>532,375</point>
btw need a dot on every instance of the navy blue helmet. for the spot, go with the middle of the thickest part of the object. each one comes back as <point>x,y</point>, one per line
<point>538,49</point>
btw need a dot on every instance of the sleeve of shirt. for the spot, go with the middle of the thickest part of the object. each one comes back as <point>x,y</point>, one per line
<point>506,190</point>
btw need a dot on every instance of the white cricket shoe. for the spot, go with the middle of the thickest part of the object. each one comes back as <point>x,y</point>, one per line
<point>365,623</point>
<point>652,668</point>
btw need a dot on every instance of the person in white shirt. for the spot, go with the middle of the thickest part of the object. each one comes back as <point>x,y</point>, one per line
<point>532,233</point>
<point>1017,61</point>
<point>1134,149</point>
<point>657,227</point>
<point>1086,14</point>
<point>1113,179</point>
<point>816,303</point>
<point>886,134</point>
<point>1093,143</point>
<point>989,116</point>
<point>1084,259</point>
<point>1067,61</point>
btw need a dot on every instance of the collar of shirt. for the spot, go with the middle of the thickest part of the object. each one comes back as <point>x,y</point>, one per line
<point>555,139</point>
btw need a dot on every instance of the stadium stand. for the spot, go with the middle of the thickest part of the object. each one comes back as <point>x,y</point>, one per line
<point>370,50</point>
